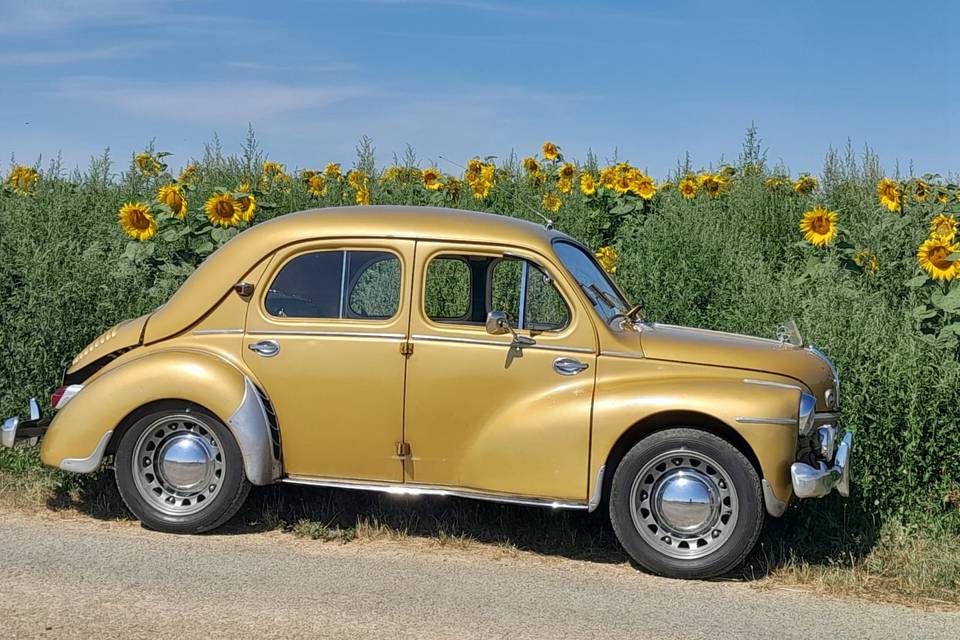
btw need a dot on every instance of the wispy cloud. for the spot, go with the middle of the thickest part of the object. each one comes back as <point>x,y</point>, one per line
<point>314,68</point>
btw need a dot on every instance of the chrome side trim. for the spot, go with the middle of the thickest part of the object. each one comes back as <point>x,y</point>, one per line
<point>623,354</point>
<point>770,383</point>
<point>92,462</point>
<point>497,343</point>
<point>433,490</point>
<point>826,416</point>
<point>67,396</point>
<point>775,506</point>
<point>250,426</point>
<point>760,420</point>
<point>216,332</point>
<point>327,334</point>
<point>597,491</point>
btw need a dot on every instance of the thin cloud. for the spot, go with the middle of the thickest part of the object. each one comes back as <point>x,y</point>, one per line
<point>315,68</point>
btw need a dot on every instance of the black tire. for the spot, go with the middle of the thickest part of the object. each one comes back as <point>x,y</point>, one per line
<point>647,534</point>
<point>204,513</point>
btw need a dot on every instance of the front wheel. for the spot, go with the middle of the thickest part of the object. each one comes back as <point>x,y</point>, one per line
<point>180,470</point>
<point>685,503</point>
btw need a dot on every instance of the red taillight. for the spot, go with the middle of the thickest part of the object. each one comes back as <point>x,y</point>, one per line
<point>57,396</point>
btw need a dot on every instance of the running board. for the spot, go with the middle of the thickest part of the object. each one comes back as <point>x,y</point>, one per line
<point>432,490</point>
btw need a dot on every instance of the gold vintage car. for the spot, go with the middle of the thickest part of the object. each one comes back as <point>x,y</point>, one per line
<point>438,352</point>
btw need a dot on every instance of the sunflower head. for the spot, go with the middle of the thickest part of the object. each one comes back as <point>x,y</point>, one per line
<point>805,184</point>
<point>567,170</point>
<point>431,178</point>
<point>890,195</point>
<point>688,187</point>
<point>137,221</point>
<point>712,183</point>
<point>363,196</point>
<point>332,170</point>
<point>317,185</point>
<point>148,164</point>
<point>921,190</point>
<point>189,174</point>
<point>565,185</point>
<point>358,179</point>
<point>530,165</point>
<point>643,185</point>
<point>943,226</point>
<point>551,202</point>
<point>666,185</point>
<point>246,205</point>
<point>588,186</point>
<point>452,186</point>
<point>22,179</point>
<point>608,258</point>
<point>272,168</point>
<point>934,258</point>
<point>867,260</point>
<point>777,182</point>
<point>943,197</point>
<point>306,174</point>
<point>172,196</point>
<point>550,150</point>
<point>819,226</point>
<point>222,210</point>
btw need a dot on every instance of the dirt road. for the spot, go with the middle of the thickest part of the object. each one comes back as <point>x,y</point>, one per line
<point>82,578</point>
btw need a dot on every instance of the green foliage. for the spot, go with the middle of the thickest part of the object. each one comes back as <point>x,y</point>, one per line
<point>736,262</point>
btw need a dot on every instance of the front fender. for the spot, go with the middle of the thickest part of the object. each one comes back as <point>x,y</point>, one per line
<point>81,432</point>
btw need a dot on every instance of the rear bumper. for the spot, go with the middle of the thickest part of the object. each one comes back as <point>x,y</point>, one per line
<point>30,430</point>
<point>816,482</point>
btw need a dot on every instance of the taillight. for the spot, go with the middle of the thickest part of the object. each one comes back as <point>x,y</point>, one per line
<point>64,394</point>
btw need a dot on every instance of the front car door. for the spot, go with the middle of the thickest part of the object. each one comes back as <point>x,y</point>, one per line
<point>323,336</point>
<point>480,414</point>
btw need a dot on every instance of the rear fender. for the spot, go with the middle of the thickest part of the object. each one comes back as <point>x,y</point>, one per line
<point>83,430</point>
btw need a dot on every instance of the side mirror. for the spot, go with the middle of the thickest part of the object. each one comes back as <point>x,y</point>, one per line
<point>498,323</point>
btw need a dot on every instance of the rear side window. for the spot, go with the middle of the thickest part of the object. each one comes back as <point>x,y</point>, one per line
<point>337,285</point>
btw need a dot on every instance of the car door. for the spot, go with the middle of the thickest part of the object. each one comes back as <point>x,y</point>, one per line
<point>481,414</point>
<point>323,337</point>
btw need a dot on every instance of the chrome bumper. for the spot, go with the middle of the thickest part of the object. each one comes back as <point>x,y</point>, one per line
<point>816,482</point>
<point>31,430</point>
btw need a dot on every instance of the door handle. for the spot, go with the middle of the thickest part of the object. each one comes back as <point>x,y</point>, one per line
<point>569,366</point>
<point>265,348</point>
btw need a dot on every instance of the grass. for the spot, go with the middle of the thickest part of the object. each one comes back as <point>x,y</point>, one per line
<point>880,562</point>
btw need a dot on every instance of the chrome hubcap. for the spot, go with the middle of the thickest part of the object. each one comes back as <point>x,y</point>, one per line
<point>178,464</point>
<point>684,504</point>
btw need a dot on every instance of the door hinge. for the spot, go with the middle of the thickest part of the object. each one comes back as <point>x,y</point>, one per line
<point>403,449</point>
<point>406,349</point>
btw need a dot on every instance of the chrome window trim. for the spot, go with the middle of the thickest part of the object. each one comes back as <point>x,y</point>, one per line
<point>623,354</point>
<point>216,332</point>
<point>497,343</point>
<point>771,383</point>
<point>435,490</point>
<point>522,302</point>
<point>762,420</point>
<point>328,334</point>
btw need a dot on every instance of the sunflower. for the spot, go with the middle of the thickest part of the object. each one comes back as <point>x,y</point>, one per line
<point>147,164</point>
<point>644,186</point>
<point>550,151</point>
<point>728,171</point>
<point>608,258</point>
<point>431,178</point>
<point>921,190</point>
<point>474,166</point>
<point>480,176</point>
<point>890,195</point>
<point>666,186</point>
<point>565,185</point>
<point>567,170</point>
<point>172,196</point>
<point>332,170</point>
<point>222,210</point>
<point>776,182</point>
<point>712,183</point>
<point>244,186</point>
<point>588,186</point>
<point>551,202</point>
<point>137,221</point>
<point>805,184</point>
<point>272,168</point>
<point>363,196</point>
<point>246,205</point>
<point>867,260</point>
<point>317,186</point>
<point>943,226</point>
<point>22,179</point>
<point>358,179</point>
<point>530,165</point>
<point>819,226</point>
<point>189,173</point>
<point>688,187</point>
<point>943,197</point>
<point>934,257</point>
<point>452,186</point>
<point>306,174</point>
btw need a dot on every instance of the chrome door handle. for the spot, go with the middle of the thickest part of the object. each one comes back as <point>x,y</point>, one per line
<point>265,348</point>
<point>569,366</point>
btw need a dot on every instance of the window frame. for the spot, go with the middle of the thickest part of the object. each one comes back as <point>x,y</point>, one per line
<point>524,286</point>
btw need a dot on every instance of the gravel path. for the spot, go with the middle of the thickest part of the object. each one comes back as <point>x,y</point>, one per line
<point>64,577</point>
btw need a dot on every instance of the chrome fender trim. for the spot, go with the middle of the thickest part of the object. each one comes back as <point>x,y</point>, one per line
<point>597,491</point>
<point>775,506</point>
<point>251,428</point>
<point>92,461</point>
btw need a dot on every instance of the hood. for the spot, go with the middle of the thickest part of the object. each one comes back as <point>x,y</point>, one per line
<point>128,333</point>
<point>715,348</point>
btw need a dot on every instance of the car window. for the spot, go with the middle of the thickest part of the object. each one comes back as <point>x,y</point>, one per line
<point>590,276</point>
<point>448,289</point>
<point>336,284</point>
<point>542,307</point>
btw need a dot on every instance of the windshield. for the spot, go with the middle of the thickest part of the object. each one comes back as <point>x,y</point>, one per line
<point>593,280</point>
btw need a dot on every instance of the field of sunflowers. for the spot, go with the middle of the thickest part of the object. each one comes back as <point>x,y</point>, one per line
<point>865,260</point>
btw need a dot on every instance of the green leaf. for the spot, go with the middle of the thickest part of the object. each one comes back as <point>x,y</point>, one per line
<point>622,209</point>
<point>918,281</point>
<point>949,301</point>
<point>923,312</point>
<point>951,328</point>
<point>170,235</point>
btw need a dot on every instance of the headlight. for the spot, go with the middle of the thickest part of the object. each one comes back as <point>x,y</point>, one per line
<point>830,396</point>
<point>808,405</point>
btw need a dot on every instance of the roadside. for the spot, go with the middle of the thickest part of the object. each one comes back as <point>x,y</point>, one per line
<point>74,576</point>
<point>892,567</point>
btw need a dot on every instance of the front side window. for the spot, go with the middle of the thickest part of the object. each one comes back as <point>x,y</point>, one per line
<point>592,279</point>
<point>336,285</point>
<point>523,290</point>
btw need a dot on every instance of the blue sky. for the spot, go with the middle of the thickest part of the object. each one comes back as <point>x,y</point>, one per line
<point>646,80</point>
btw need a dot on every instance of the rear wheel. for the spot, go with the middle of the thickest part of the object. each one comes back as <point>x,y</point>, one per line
<point>686,504</point>
<point>180,470</point>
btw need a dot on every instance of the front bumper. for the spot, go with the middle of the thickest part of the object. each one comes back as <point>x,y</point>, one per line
<point>816,482</point>
<point>31,430</point>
